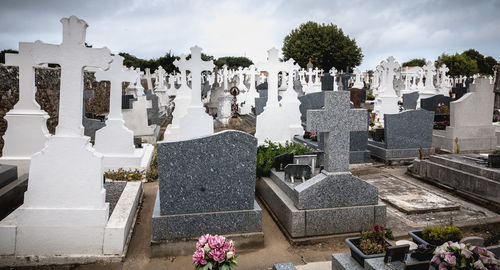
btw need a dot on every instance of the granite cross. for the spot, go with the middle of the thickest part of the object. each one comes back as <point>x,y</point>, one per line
<point>273,66</point>
<point>116,74</point>
<point>72,55</point>
<point>27,89</point>
<point>337,120</point>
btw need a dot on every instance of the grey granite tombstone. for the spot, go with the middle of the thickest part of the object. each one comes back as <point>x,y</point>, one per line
<point>284,266</point>
<point>154,115</point>
<point>410,100</point>
<point>358,140</point>
<point>90,125</point>
<point>459,90</point>
<point>327,82</point>
<point>336,121</point>
<point>496,86</point>
<point>404,134</point>
<point>127,101</point>
<point>262,86</point>
<point>206,185</point>
<point>431,103</point>
<point>12,189</point>
<point>333,201</point>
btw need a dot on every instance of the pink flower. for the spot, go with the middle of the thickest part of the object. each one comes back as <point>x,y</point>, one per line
<point>216,241</point>
<point>450,259</point>
<point>202,240</point>
<point>435,260</point>
<point>217,254</point>
<point>466,253</point>
<point>199,257</point>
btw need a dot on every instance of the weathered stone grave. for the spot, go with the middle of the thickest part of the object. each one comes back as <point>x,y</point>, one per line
<point>333,201</point>
<point>410,101</point>
<point>191,180</point>
<point>404,134</point>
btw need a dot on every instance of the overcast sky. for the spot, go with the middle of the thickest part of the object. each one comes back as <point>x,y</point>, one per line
<point>150,28</point>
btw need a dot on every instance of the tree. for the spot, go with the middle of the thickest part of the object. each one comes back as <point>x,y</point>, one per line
<point>459,64</point>
<point>325,44</point>
<point>489,63</point>
<point>233,62</point>
<point>415,62</point>
<point>167,62</point>
<point>2,54</point>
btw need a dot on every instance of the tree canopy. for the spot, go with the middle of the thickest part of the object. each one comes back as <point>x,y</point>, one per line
<point>415,62</point>
<point>233,62</point>
<point>459,64</point>
<point>325,44</point>
<point>167,62</point>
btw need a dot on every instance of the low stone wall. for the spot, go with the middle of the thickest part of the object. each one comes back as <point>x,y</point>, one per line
<point>48,84</point>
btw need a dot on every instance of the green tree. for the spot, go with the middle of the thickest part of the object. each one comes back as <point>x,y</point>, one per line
<point>459,64</point>
<point>478,57</point>
<point>166,61</point>
<point>325,44</point>
<point>233,62</point>
<point>415,62</point>
<point>489,63</point>
<point>3,52</point>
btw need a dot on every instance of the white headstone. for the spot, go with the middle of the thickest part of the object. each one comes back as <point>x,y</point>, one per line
<point>358,83</point>
<point>148,76</point>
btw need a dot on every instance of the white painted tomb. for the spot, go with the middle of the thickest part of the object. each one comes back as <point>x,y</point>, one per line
<point>136,119</point>
<point>271,124</point>
<point>429,90</point>
<point>27,131</point>
<point>470,121</point>
<point>115,141</point>
<point>386,100</point>
<point>64,218</point>
<point>252,93</point>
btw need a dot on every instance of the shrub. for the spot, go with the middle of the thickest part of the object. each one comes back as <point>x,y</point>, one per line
<point>440,234</point>
<point>124,175</point>
<point>374,241</point>
<point>267,152</point>
<point>370,96</point>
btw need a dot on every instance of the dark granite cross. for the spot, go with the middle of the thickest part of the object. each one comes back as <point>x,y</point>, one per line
<point>336,120</point>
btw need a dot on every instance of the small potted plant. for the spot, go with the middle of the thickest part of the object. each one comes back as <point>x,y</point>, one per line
<point>494,159</point>
<point>214,252</point>
<point>435,236</point>
<point>371,244</point>
<point>452,255</point>
<point>423,252</point>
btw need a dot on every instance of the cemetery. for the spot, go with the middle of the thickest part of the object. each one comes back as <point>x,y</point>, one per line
<point>188,161</point>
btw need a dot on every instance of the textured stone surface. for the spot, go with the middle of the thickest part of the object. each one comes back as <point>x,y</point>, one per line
<point>310,101</point>
<point>473,240</point>
<point>339,220</point>
<point>335,190</point>
<point>344,261</point>
<point>113,192</point>
<point>198,172</point>
<point>337,120</point>
<point>284,266</point>
<point>8,173</point>
<point>327,82</point>
<point>409,129</point>
<point>431,103</point>
<point>154,114</point>
<point>410,100</point>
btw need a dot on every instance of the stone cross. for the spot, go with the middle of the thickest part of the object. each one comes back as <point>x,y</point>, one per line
<point>310,74</point>
<point>252,72</point>
<point>160,73</point>
<point>27,89</point>
<point>389,67</point>
<point>182,63</point>
<point>138,84</point>
<point>290,94</point>
<point>241,80</point>
<point>196,66</point>
<point>273,66</point>
<point>430,70</point>
<point>336,120</point>
<point>116,74</point>
<point>72,55</point>
<point>224,78</point>
<point>443,69</point>
<point>333,73</point>
<point>148,78</point>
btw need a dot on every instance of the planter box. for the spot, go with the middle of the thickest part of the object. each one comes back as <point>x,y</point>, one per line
<point>357,254</point>
<point>417,237</point>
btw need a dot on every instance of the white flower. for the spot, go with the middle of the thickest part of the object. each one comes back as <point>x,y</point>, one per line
<point>230,255</point>
<point>206,248</point>
<point>455,245</point>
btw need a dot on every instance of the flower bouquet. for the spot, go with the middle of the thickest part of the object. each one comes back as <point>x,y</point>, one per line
<point>214,252</point>
<point>452,255</point>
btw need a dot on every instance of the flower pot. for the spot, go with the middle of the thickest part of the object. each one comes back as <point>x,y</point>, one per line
<point>494,161</point>
<point>357,254</point>
<point>378,135</point>
<point>418,238</point>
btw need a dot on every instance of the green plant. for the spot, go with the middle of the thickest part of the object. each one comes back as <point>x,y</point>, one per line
<point>267,152</point>
<point>374,241</point>
<point>152,173</point>
<point>370,96</point>
<point>440,234</point>
<point>124,175</point>
<point>496,152</point>
<point>369,247</point>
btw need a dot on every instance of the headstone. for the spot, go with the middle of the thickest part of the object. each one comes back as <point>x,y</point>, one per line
<point>327,82</point>
<point>496,87</point>
<point>431,103</point>
<point>155,115</point>
<point>410,101</point>
<point>148,78</point>
<point>251,94</point>
<point>22,137</point>
<point>470,121</point>
<point>115,141</point>
<point>386,100</point>
<point>336,121</point>
<point>190,180</point>
<point>127,101</point>
<point>459,90</point>
<point>70,219</point>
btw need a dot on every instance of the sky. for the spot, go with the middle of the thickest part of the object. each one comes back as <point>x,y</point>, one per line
<point>150,28</point>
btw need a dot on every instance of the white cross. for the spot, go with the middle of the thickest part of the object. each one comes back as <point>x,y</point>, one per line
<point>273,66</point>
<point>116,74</point>
<point>27,88</point>
<point>72,55</point>
<point>181,63</point>
<point>148,78</point>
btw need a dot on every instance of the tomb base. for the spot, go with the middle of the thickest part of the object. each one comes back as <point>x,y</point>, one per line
<point>177,234</point>
<point>355,156</point>
<point>462,174</point>
<point>379,150</point>
<point>78,238</point>
<point>480,138</point>
<point>139,160</point>
<point>302,210</point>
<point>22,139</point>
